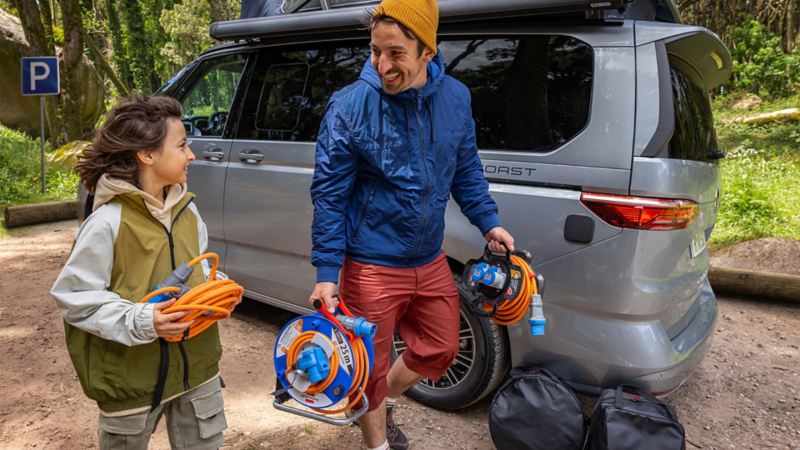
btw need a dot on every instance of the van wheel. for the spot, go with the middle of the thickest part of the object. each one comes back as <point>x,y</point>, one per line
<point>480,365</point>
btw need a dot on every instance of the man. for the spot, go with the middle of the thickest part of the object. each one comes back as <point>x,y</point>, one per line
<point>392,148</point>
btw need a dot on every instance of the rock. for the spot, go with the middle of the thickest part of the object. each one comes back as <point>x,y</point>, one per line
<point>747,102</point>
<point>22,113</point>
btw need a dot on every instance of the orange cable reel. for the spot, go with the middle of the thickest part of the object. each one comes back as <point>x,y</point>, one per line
<point>504,288</point>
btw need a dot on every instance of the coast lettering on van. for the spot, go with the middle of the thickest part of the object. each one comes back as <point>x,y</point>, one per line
<point>496,169</point>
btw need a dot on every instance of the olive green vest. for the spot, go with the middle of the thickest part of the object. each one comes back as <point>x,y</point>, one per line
<point>119,377</point>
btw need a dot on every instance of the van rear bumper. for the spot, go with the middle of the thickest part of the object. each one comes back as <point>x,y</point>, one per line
<point>594,353</point>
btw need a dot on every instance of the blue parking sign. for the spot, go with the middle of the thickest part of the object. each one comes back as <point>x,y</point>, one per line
<point>40,76</point>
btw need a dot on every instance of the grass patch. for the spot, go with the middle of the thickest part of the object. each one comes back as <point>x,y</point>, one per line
<point>760,176</point>
<point>20,173</point>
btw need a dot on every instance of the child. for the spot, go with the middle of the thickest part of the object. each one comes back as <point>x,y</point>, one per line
<point>144,224</point>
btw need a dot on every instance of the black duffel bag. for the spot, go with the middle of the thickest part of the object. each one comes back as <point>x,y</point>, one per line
<point>535,410</point>
<point>627,418</point>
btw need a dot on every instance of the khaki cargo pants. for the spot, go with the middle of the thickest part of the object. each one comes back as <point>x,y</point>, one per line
<point>195,420</point>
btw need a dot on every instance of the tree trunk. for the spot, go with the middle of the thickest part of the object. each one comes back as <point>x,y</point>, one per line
<point>138,45</point>
<point>32,25</point>
<point>47,21</point>
<point>120,54</point>
<point>790,31</point>
<point>36,35</point>
<point>17,216</point>
<point>102,62</point>
<point>71,57</point>
<point>158,38</point>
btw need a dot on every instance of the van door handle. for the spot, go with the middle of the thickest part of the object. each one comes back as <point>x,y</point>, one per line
<point>213,155</point>
<point>251,157</point>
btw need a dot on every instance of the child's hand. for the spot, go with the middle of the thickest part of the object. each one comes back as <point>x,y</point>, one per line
<point>167,325</point>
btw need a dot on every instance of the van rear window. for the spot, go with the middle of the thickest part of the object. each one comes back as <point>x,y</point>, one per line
<point>694,137</point>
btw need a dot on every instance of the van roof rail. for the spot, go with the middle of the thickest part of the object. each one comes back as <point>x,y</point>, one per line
<point>345,15</point>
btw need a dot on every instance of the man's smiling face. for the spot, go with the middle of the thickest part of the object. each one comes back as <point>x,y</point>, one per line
<point>396,59</point>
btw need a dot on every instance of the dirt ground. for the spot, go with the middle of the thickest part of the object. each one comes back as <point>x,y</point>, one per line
<point>744,395</point>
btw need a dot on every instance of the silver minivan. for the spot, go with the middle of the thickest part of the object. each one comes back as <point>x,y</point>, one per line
<point>595,132</point>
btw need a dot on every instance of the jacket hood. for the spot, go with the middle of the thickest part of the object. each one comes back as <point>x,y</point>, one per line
<point>435,76</point>
<point>107,188</point>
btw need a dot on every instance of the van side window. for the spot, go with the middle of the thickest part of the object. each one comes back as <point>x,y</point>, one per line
<point>545,83</point>
<point>289,91</point>
<point>208,96</point>
<point>694,137</point>
<point>528,93</point>
<point>282,100</point>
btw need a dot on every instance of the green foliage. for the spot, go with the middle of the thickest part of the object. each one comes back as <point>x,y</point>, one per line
<point>138,44</point>
<point>58,35</point>
<point>66,156</point>
<point>760,179</point>
<point>20,166</point>
<point>186,25</point>
<point>760,64</point>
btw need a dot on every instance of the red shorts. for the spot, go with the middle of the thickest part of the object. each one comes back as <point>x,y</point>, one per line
<point>421,303</point>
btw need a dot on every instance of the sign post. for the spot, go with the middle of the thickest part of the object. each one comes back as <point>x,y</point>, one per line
<point>40,77</point>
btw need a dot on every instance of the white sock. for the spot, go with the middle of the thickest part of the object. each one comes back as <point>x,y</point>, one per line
<point>390,402</point>
<point>384,446</point>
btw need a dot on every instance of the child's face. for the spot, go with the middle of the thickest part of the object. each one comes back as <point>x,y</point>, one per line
<point>171,162</point>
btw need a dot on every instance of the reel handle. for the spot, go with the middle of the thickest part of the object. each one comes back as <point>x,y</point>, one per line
<point>490,255</point>
<point>320,307</point>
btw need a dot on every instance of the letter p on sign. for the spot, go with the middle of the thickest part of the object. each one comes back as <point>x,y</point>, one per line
<point>40,76</point>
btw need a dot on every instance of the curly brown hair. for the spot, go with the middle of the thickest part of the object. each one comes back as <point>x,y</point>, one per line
<point>134,124</point>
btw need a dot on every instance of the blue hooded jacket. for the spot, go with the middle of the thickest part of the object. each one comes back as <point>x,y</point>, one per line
<point>386,166</point>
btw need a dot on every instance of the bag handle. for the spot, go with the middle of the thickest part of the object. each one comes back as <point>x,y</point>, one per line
<point>646,395</point>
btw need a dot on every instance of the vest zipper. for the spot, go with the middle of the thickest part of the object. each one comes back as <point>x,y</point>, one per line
<point>185,358</point>
<point>426,188</point>
<point>172,255</point>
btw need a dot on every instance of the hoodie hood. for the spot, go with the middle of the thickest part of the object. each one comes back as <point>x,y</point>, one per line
<point>107,188</point>
<point>435,76</point>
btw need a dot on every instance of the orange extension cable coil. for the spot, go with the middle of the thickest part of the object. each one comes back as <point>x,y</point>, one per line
<point>208,302</point>
<point>513,310</point>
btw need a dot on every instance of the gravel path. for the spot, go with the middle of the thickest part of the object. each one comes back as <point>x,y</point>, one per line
<point>745,394</point>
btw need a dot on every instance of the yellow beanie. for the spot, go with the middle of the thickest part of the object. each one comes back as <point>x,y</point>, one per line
<point>419,16</point>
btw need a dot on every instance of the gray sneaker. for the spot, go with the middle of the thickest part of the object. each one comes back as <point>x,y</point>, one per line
<point>397,440</point>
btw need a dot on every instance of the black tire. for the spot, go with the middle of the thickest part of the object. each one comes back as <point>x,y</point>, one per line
<point>464,384</point>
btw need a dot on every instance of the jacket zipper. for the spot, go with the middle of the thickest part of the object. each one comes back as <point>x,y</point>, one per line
<point>417,108</point>
<point>172,262</point>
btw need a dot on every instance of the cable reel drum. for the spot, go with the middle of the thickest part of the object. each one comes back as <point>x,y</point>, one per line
<point>321,359</point>
<point>503,287</point>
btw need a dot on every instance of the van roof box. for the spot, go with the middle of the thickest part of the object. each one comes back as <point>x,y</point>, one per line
<point>296,18</point>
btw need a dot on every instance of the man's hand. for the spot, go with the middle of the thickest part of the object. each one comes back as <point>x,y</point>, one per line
<point>498,235</point>
<point>167,325</point>
<point>326,292</point>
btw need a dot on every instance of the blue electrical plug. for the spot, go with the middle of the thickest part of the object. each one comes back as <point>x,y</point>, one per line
<point>537,320</point>
<point>314,363</point>
<point>177,278</point>
<point>358,325</point>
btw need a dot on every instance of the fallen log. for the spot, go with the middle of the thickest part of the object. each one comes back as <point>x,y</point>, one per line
<point>778,286</point>
<point>785,115</point>
<point>17,216</point>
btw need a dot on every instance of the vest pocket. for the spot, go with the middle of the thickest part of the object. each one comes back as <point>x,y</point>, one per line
<point>209,410</point>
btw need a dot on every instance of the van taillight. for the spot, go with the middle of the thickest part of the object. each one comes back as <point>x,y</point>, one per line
<point>641,213</point>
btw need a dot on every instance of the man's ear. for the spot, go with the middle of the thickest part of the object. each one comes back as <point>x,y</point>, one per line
<point>427,55</point>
